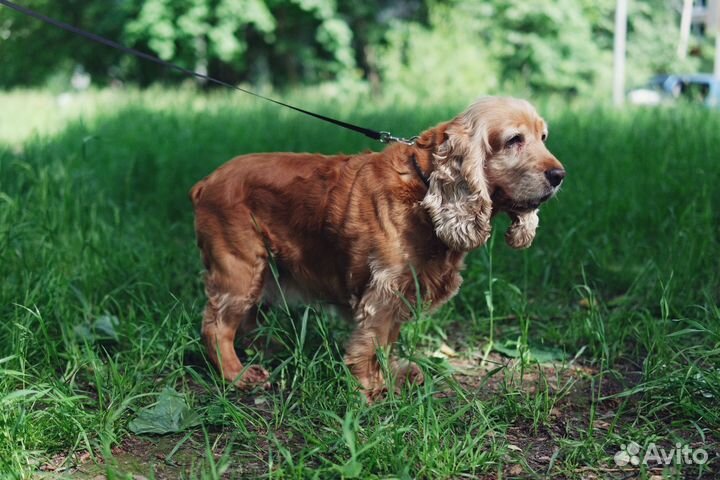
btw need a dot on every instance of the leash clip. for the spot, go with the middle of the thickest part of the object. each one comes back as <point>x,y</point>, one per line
<point>387,137</point>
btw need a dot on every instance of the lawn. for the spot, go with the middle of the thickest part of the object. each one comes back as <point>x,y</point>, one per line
<point>549,361</point>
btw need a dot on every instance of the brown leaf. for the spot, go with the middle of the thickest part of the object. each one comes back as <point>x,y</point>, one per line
<point>445,351</point>
<point>54,463</point>
<point>601,424</point>
<point>515,470</point>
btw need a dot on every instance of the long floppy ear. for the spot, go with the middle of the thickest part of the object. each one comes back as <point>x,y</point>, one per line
<point>521,232</point>
<point>457,199</point>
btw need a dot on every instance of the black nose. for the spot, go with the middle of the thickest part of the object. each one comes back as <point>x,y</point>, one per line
<point>555,176</point>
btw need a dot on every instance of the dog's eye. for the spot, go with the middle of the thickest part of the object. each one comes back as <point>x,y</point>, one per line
<point>544,137</point>
<point>515,140</point>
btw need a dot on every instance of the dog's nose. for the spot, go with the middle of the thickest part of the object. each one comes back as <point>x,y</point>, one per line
<point>555,176</point>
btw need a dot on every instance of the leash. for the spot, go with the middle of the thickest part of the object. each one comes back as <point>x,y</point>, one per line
<point>383,137</point>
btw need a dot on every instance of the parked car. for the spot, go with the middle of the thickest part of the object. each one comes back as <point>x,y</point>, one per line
<point>700,88</point>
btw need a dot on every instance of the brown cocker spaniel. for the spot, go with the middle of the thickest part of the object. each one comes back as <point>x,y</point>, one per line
<point>358,231</point>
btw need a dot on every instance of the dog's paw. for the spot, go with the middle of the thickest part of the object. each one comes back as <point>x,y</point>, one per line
<point>407,372</point>
<point>253,376</point>
<point>377,394</point>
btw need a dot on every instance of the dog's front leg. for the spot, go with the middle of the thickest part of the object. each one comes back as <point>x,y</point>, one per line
<point>376,332</point>
<point>379,318</point>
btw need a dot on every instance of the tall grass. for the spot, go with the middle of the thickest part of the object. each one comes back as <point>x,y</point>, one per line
<point>95,224</point>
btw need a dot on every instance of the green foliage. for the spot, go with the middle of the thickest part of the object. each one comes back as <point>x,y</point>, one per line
<point>31,51</point>
<point>447,57</point>
<point>428,47</point>
<point>283,40</point>
<point>648,52</point>
<point>191,31</point>
<point>474,47</point>
<point>653,33</point>
<point>548,45</point>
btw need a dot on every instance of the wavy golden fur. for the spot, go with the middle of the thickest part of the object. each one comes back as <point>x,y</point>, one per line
<point>354,230</point>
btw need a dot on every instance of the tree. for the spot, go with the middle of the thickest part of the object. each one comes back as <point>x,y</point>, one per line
<point>404,47</point>
<point>548,45</point>
<point>31,50</point>
<point>448,54</point>
<point>273,40</point>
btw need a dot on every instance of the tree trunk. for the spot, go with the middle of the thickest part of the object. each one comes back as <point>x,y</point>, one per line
<point>619,52</point>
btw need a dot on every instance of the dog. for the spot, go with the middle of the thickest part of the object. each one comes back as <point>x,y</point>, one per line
<point>366,231</point>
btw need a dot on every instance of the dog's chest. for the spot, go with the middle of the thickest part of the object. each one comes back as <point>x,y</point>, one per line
<point>440,278</point>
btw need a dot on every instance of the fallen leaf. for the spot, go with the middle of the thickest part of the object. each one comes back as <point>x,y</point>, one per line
<point>54,463</point>
<point>601,424</point>
<point>82,457</point>
<point>170,414</point>
<point>540,354</point>
<point>102,328</point>
<point>351,469</point>
<point>445,351</point>
<point>515,470</point>
<point>586,303</point>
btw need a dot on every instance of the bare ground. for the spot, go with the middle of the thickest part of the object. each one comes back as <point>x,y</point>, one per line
<point>533,449</point>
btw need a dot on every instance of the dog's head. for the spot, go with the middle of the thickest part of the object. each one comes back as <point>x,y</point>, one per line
<point>492,157</point>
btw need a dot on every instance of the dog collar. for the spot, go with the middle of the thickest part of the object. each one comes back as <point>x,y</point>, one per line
<point>421,174</point>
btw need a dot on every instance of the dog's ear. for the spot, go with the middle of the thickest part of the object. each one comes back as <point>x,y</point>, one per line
<point>521,232</point>
<point>457,199</point>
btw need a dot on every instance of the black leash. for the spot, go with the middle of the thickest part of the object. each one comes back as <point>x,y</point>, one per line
<point>384,137</point>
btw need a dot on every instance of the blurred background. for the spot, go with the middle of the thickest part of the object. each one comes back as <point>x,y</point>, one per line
<point>395,48</point>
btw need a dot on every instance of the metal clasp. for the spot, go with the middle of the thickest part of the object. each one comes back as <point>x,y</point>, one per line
<point>387,137</point>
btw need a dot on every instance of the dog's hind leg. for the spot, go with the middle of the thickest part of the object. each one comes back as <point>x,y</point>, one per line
<point>234,286</point>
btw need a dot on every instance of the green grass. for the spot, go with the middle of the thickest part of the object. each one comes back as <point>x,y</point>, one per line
<point>623,279</point>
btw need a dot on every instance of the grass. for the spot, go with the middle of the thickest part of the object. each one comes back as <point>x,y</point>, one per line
<point>101,298</point>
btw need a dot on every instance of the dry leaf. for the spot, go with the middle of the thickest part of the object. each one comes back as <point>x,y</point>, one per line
<point>586,302</point>
<point>445,351</point>
<point>601,424</point>
<point>515,470</point>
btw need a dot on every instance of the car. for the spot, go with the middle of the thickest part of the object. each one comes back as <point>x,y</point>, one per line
<point>699,88</point>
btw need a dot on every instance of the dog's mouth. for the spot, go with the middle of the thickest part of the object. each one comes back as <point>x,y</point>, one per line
<point>502,201</point>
